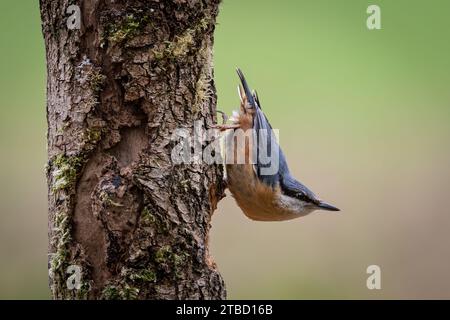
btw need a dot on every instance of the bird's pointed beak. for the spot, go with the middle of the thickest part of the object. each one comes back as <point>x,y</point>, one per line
<point>325,206</point>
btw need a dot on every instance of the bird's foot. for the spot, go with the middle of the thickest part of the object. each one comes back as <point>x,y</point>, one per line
<point>223,127</point>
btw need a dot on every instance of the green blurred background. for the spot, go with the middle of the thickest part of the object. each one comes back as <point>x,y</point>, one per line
<point>364,121</point>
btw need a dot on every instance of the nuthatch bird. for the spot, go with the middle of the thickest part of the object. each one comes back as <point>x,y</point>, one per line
<point>273,196</point>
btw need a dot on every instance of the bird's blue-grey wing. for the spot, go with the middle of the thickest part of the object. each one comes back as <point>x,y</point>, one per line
<point>283,177</point>
<point>270,161</point>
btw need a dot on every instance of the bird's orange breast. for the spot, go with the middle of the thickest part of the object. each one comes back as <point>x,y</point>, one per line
<point>257,200</point>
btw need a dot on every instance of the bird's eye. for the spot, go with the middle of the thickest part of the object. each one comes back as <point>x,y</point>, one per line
<point>303,197</point>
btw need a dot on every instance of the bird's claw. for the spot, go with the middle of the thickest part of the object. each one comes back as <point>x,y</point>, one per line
<point>224,116</point>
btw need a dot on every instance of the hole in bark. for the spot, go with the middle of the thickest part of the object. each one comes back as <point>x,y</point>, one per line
<point>133,141</point>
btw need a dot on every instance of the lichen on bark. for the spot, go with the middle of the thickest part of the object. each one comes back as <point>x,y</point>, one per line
<point>117,88</point>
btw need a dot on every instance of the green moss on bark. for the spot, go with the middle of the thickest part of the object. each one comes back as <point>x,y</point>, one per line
<point>182,44</point>
<point>126,29</point>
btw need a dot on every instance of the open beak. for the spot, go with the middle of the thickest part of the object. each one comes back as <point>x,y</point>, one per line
<point>325,206</point>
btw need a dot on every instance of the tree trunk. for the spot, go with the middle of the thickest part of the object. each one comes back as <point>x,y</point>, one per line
<point>124,222</point>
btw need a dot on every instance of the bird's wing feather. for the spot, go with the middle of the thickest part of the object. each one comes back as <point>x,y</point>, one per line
<point>263,130</point>
<point>268,150</point>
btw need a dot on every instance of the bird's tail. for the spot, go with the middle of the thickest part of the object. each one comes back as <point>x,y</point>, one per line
<point>248,100</point>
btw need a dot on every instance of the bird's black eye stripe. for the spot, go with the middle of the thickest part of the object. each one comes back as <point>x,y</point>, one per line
<point>298,195</point>
<point>290,193</point>
<point>303,197</point>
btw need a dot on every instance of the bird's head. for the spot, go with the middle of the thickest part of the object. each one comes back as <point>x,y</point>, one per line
<point>296,197</point>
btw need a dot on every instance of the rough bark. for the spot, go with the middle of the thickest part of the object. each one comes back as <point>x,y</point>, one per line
<point>117,88</point>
